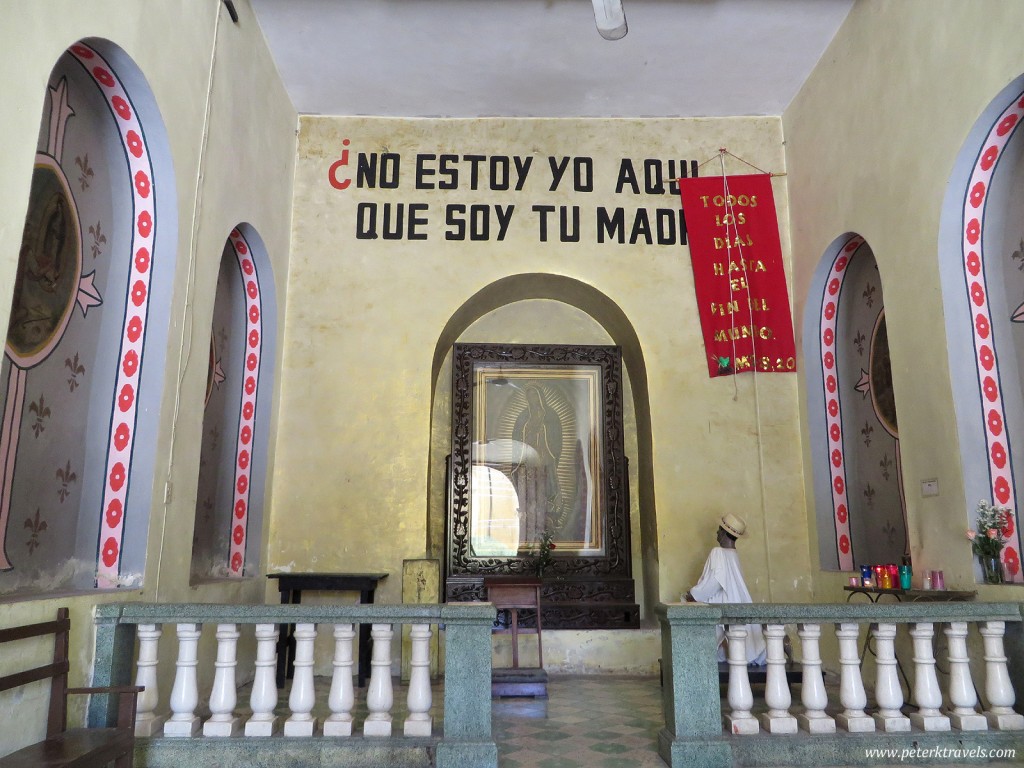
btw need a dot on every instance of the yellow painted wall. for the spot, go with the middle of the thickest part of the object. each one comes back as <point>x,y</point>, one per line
<point>233,156</point>
<point>870,145</point>
<point>371,321</point>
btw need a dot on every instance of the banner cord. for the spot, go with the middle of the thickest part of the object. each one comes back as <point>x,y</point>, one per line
<point>722,152</point>
<point>730,217</point>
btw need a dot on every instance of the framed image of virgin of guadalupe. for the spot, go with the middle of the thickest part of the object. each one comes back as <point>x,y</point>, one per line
<point>537,481</point>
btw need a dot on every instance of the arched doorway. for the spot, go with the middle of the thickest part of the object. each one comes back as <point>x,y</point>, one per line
<point>545,308</point>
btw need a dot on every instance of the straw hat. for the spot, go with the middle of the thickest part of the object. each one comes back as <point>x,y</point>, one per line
<point>733,525</point>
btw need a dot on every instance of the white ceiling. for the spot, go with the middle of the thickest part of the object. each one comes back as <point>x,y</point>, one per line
<point>545,58</point>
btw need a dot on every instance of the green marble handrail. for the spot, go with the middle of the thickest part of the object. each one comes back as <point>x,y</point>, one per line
<point>693,735</point>
<point>233,613</point>
<point>466,740</point>
<point>793,613</point>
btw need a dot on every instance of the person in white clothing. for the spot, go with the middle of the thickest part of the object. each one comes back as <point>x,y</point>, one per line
<point>722,582</point>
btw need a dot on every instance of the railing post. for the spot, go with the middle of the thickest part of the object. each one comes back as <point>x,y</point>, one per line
<point>741,698</point>
<point>302,696</point>
<point>341,698</point>
<point>927,695</point>
<point>812,685</point>
<point>146,720</point>
<point>851,683</point>
<point>115,652</point>
<point>998,689</point>
<point>379,692</point>
<point>776,690</point>
<point>419,699</point>
<point>263,697</point>
<point>185,691</point>
<point>693,734</point>
<point>962,695</point>
<point>224,695</point>
<point>467,687</point>
<point>888,692</point>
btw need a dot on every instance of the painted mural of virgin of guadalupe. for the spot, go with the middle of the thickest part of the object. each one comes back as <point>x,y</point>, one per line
<point>551,485</point>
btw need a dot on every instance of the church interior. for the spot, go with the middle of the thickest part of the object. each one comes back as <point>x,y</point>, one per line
<point>327,268</point>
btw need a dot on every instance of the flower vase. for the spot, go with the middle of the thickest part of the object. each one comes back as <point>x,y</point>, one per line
<point>991,569</point>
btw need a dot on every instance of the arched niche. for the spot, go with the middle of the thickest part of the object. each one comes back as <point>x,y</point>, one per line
<point>854,429</point>
<point>543,308</point>
<point>981,265</point>
<point>82,373</point>
<point>236,415</point>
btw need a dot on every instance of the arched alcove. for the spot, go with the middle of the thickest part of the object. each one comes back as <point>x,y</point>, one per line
<point>553,309</point>
<point>233,457</point>
<point>854,430</point>
<point>83,369</point>
<point>981,264</point>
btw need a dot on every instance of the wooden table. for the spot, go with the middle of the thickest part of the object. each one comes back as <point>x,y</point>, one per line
<point>512,594</point>
<point>874,594</point>
<point>912,595</point>
<point>291,586</point>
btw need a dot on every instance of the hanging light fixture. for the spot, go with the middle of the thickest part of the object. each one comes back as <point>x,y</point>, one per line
<point>610,18</point>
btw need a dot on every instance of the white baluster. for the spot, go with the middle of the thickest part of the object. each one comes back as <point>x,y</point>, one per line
<point>419,721</point>
<point>741,698</point>
<point>263,698</point>
<point>302,695</point>
<point>146,720</point>
<point>888,693</point>
<point>962,695</point>
<point>776,689</point>
<point>224,694</point>
<point>185,692</point>
<point>379,694</point>
<point>341,697</point>
<point>812,686</point>
<point>927,695</point>
<point>851,683</point>
<point>998,689</point>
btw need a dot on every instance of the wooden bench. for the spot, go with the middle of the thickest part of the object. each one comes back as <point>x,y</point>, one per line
<point>63,746</point>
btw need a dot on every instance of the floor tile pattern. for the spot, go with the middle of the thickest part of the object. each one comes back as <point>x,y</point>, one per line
<point>598,722</point>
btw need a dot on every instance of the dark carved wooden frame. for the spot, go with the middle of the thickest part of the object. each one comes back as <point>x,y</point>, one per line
<point>606,578</point>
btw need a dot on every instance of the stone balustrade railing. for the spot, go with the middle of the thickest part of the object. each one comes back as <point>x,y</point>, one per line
<point>943,717</point>
<point>128,650</point>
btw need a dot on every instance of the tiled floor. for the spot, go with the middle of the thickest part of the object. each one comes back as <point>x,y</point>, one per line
<point>585,721</point>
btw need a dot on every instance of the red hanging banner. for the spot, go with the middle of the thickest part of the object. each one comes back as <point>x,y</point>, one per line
<point>736,254</point>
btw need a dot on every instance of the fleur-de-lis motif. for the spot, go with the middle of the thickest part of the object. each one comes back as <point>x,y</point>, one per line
<point>869,294</point>
<point>87,173</point>
<point>889,531</point>
<point>859,340</point>
<point>37,526</point>
<point>1018,256</point>
<point>866,431</point>
<point>207,510</point>
<point>886,465</point>
<point>42,412</point>
<point>869,496</point>
<point>66,477</point>
<point>77,369</point>
<point>98,239</point>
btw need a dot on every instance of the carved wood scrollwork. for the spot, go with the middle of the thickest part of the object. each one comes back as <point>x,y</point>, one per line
<point>490,382</point>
